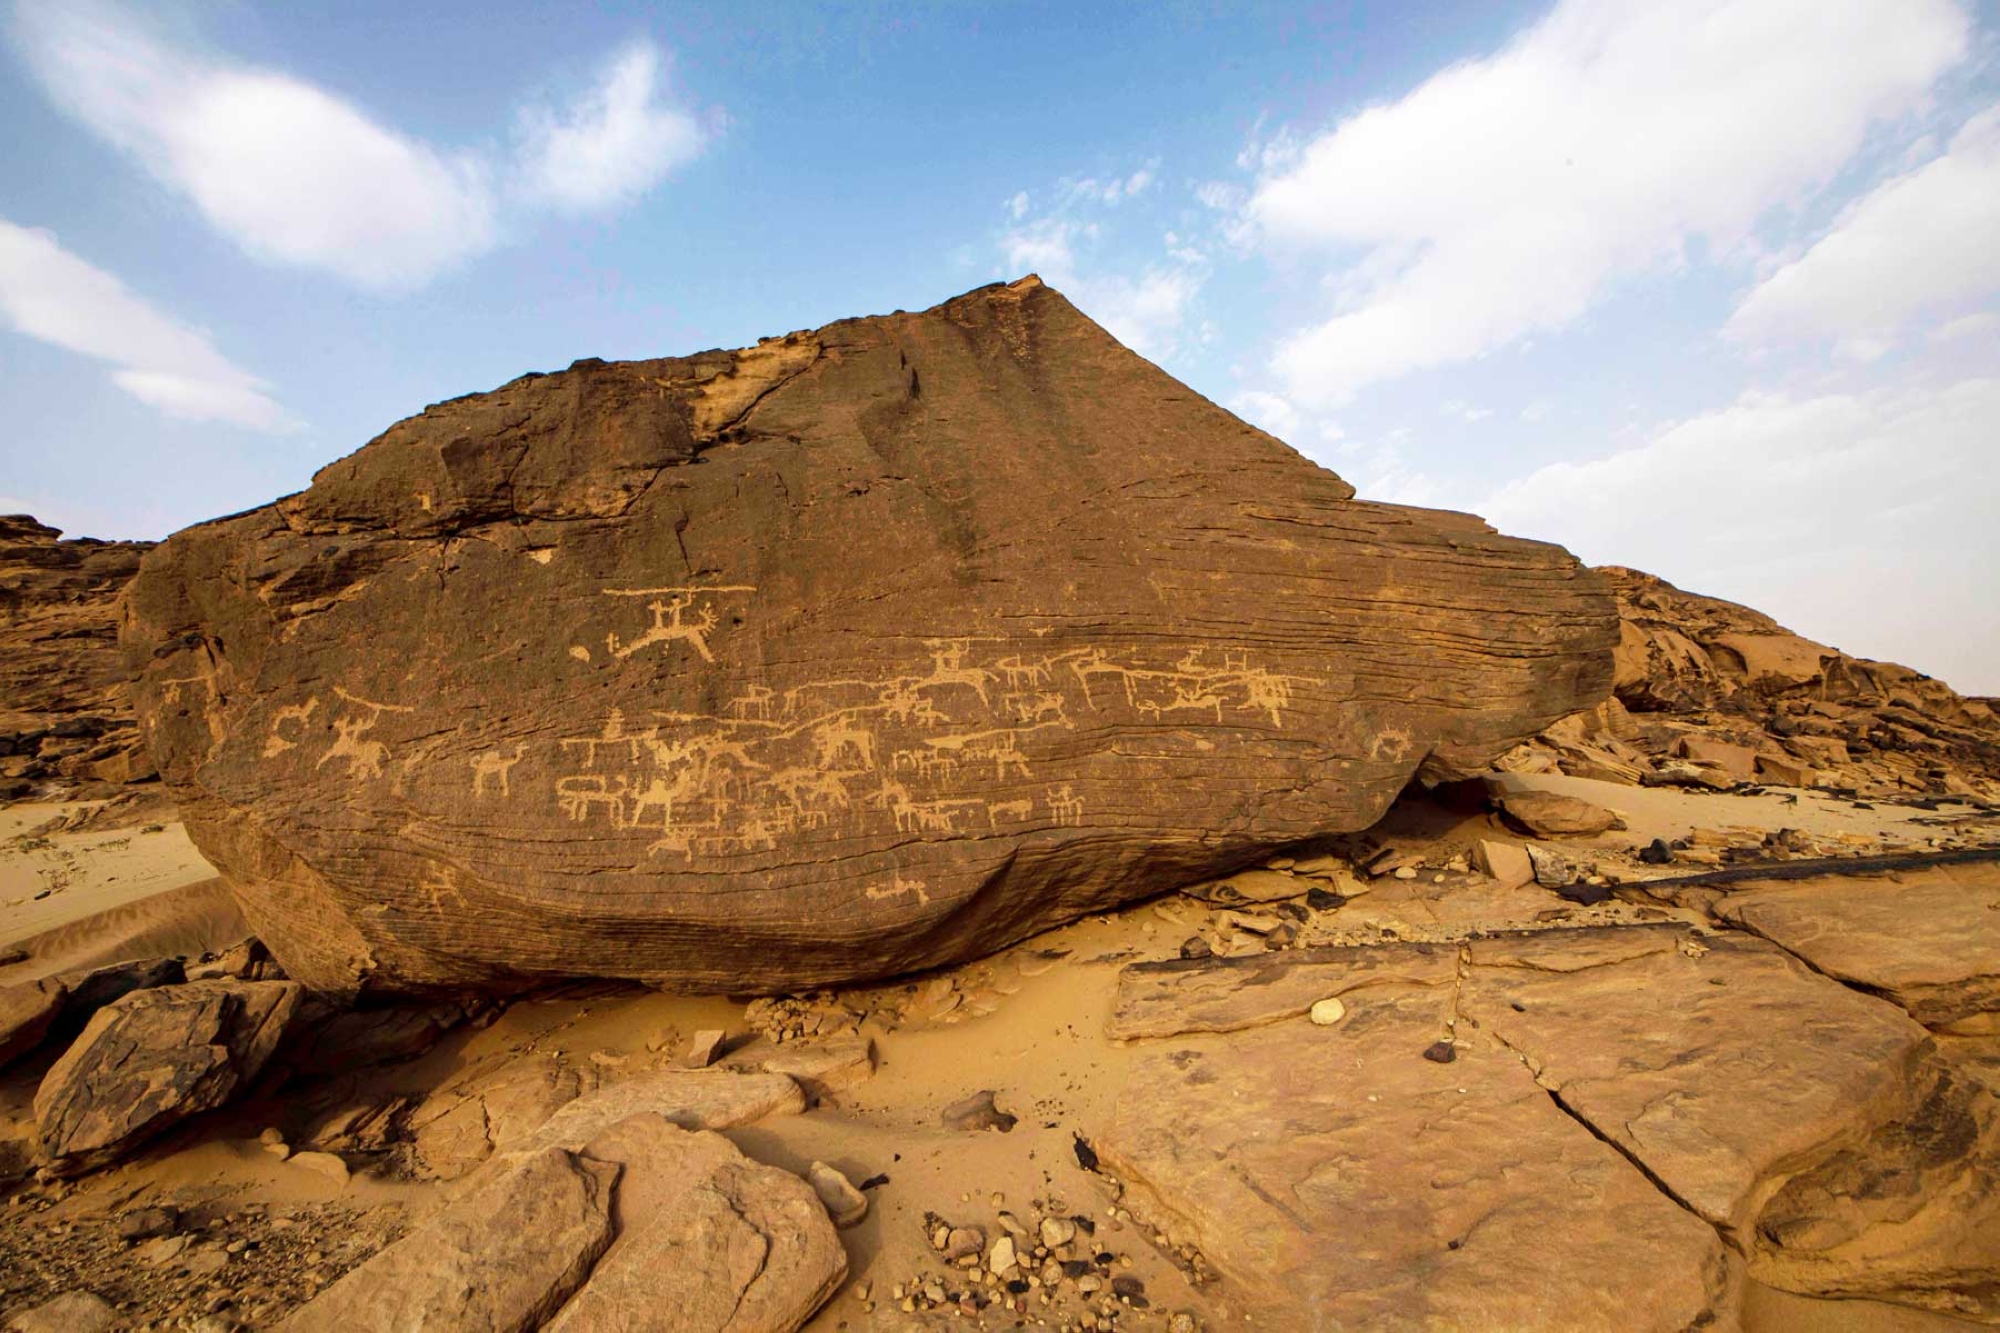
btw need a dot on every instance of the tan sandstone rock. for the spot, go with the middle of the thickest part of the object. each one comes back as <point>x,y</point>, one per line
<point>1721,1065</point>
<point>150,1060</point>
<point>1094,617</point>
<point>502,1258</point>
<point>1342,1180</point>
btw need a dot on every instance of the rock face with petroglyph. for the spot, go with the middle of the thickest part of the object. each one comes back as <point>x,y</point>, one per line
<point>855,652</point>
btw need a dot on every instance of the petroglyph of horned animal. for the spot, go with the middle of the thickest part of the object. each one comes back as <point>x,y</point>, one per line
<point>277,742</point>
<point>492,767</point>
<point>1022,675</point>
<point>839,736</point>
<point>803,787</point>
<point>1066,805</point>
<point>753,703</point>
<point>579,794</point>
<point>913,816</point>
<point>998,746</point>
<point>668,627</point>
<point>898,887</point>
<point>948,668</point>
<point>1038,709</point>
<point>1185,696</point>
<point>1011,811</point>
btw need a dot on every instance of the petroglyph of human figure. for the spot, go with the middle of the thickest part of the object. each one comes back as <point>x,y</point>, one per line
<point>364,757</point>
<point>669,624</point>
<point>614,733</point>
<point>491,769</point>
<point>277,742</point>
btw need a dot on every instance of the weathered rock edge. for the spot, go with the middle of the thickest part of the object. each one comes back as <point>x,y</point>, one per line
<point>855,652</point>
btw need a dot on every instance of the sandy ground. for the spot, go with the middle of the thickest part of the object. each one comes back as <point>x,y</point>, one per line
<point>1027,1024</point>
<point>48,879</point>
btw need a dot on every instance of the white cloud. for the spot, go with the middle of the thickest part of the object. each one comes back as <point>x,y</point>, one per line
<point>1985,324</point>
<point>1862,520</point>
<point>1504,195</point>
<point>1144,303</point>
<point>50,294</point>
<point>1018,205</point>
<point>1460,410</point>
<point>1925,241</point>
<point>1272,412</point>
<point>297,176</point>
<point>612,144</point>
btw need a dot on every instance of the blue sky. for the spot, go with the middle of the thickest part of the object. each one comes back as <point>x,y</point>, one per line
<point>1710,288</point>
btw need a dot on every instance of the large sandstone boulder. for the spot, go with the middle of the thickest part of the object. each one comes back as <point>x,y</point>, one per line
<point>855,652</point>
<point>154,1058</point>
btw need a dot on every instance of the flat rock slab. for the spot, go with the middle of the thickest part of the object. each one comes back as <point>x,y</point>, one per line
<point>502,1258</point>
<point>851,654</point>
<point>1721,1064</point>
<point>150,1060</point>
<point>1341,1180</point>
<point>1927,939</point>
<point>1228,994</point>
<point>707,1099</point>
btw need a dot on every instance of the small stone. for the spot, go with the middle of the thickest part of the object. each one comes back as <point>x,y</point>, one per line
<point>1001,1258</point>
<point>146,1223</point>
<point>964,1242</point>
<point>1404,872</point>
<point>845,1204</point>
<point>272,1134</point>
<point>1057,1231</point>
<point>1325,1013</point>
<point>1440,1052</point>
<point>977,1112</point>
<point>322,1163</point>
<point>707,1045</point>
<point>1195,947</point>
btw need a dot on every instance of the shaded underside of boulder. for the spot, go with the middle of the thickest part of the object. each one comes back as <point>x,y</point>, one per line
<point>858,651</point>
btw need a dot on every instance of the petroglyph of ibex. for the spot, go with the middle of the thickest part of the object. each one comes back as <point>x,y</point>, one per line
<point>913,816</point>
<point>898,887</point>
<point>999,746</point>
<point>1012,812</point>
<point>491,769</point>
<point>753,704</point>
<point>1038,709</point>
<point>670,624</point>
<point>1022,675</point>
<point>839,737</point>
<point>277,741</point>
<point>948,668</point>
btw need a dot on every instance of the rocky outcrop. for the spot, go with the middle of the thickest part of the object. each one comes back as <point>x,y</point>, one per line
<point>1928,940</point>
<point>500,1260</point>
<point>1340,1179</point>
<point>154,1058</point>
<point>852,653</point>
<point>65,706</point>
<point>1714,694</point>
<point>637,1225</point>
<point>1421,1136</point>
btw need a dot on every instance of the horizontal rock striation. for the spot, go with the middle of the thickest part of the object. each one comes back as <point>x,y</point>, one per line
<point>855,652</point>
